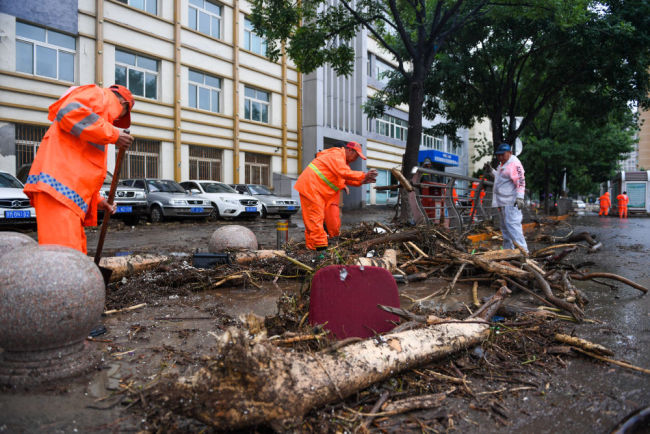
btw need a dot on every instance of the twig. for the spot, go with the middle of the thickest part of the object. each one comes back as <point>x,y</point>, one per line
<point>475,294</point>
<point>612,361</point>
<point>364,425</point>
<point>303,338</point>
<point>443,377</point>
<point>523,288</point>
<point>584,344</point>
<point>579,276</point>
<point>297,262</point>
<point>453,282</point>
<point>577,313</point>
<point>125,309</point>
<point>227,278</point>
<point>505,389</point>
<point>417,249</point>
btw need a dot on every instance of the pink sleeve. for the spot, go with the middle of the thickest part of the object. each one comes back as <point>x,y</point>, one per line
<point>516,173</point>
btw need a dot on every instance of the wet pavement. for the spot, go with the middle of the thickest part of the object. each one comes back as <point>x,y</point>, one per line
<point>584,396</point>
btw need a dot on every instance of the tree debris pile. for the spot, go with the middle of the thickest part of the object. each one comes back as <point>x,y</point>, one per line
<point>279,371</point>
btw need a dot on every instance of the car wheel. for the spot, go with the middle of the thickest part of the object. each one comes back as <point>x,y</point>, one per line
<point>214,215</point>
<point>132,220</point>
<point>264,213</point>
<point>156,214</point>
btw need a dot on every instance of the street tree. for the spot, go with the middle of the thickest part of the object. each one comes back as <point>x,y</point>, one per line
<point>562,142</point>
<point>510,63</point>
<point>316,32</point>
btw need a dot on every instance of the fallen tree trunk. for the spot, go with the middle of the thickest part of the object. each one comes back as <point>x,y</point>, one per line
<point>245,258</point>
<point>388,261</point>
<point>125,265</point>
<point>397,237</point>
<point>258,383</point>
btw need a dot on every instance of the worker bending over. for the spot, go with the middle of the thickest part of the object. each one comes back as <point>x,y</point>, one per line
<point>622,200</point>
<point>319,186</point>
<point>70,165</point>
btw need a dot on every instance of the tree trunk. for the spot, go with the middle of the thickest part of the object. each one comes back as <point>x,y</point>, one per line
<point>258,383</point>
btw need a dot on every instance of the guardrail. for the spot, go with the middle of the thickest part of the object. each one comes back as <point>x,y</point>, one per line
<point>455,201</point>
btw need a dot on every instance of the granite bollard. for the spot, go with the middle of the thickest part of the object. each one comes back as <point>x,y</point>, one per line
<point>232,237</point>
<point>13,240</point>
<point>51,297</point>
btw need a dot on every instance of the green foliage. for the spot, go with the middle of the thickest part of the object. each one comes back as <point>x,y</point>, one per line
<point>589,151</point>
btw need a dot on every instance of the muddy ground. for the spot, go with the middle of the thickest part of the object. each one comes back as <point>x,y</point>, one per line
<point>516,385</point>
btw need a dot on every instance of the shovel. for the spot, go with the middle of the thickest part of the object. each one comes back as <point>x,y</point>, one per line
<point>106,272</point>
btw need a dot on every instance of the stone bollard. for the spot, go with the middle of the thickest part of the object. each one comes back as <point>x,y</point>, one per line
<point>14,240</point>
<point>51,297</point>
<point>232,237</point>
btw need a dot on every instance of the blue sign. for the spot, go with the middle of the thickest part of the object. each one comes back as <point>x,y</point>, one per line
<point>439,157</point>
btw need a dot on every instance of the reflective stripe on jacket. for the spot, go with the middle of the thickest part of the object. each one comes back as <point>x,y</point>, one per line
<point>70,164</point>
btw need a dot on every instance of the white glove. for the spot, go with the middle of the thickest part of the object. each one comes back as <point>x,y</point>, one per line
<point>519,203</point>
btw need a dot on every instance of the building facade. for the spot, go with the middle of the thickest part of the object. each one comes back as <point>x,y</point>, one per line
<point>209,104</point>
<point>333,115</point>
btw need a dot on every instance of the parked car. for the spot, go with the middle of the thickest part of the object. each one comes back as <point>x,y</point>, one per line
<point>285,207</point>
<point>15,208</point>
<point>166,198</point>
<point>131,202</point>
<point>225,201</point>
<point>579,204</point>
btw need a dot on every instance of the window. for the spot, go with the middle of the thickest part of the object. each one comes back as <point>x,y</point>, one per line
<point>258,169</point>
<point>44,52</point>
<point>205,17</point>
<point>382,70</point>
<point>431,142</point>
<point>204,91</point>
<point>256,105</point>
<point>138,73</point>
<point>28,137</point>
<point>253,42</point>
<point>205,163</point>
<point>390,126</point>
<point>141,160</point>
<point>150,6</point>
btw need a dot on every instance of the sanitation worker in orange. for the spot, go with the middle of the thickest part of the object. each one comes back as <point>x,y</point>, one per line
<point>622,200</point>
<point>70,164</point>
<point>605,203</point>
<point>472,195</point>
<point>319,184</point>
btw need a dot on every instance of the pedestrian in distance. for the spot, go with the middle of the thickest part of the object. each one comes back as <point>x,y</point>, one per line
<point>319,186</point>
<point>70,165</point>
<point>605,204</point>
<point>621,201</point>
<point>508,196</point>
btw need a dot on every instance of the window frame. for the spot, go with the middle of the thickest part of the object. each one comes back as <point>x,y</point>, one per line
<point>202,9</point>
<point>250,36</point>
<point>144,70</point>
<point>391,126</point>
<point>203,85</point>
<point>154,2</point>
<point>205,158</point>
<point>58,48</point>
<point>248,104</point>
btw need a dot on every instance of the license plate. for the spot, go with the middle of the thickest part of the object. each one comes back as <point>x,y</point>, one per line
<point>251,209</point>
<point>291,208</point>
<point>124,208</point>
<point>196,209</point>
<point>17,214</point>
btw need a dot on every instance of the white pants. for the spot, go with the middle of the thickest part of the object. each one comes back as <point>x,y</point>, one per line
<point>511,227</point>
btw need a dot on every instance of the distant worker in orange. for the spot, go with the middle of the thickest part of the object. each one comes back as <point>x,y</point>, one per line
<point>622,200</point>
<point>472,195</point>
<point>605,203</point>
<point>70,165</point>
<point>319,184</point>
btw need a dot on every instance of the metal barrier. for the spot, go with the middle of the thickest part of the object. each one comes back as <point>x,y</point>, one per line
<point>454,201</point>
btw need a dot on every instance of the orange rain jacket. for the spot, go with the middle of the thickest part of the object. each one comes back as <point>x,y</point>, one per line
<point>319,185</point>
<point>70,164</point>
<point>605,204</point>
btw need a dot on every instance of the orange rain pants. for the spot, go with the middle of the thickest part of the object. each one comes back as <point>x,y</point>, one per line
<point>472,194</point>
<point>57,223</point>
<point>333,217</point>
<point>318,184</point>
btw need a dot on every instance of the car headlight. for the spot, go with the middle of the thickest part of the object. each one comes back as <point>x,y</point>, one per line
<point>139,195</point>
<point>230,201</point>
<point>177,202</point>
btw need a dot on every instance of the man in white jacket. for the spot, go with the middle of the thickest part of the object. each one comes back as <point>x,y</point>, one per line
<point>508,196</point>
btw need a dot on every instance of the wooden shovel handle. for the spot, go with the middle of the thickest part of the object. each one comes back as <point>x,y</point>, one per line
<point>111,197</point>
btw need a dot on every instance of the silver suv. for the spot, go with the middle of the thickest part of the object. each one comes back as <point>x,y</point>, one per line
<point>166,198</point>
<point>285,207</point>
<point>131,202</point>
